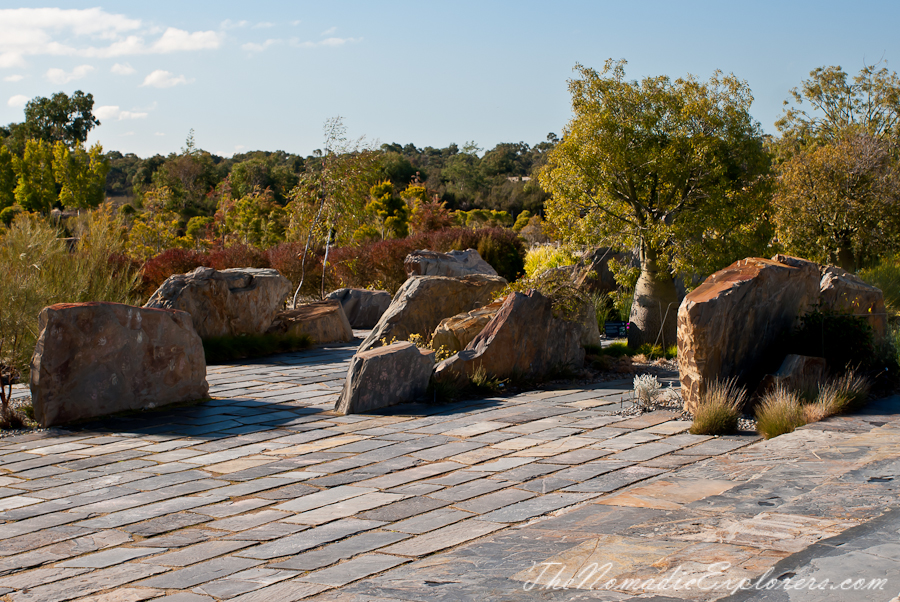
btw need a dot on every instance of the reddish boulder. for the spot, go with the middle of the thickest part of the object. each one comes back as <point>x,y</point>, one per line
<point>93,359</point>
<point>728,324</point>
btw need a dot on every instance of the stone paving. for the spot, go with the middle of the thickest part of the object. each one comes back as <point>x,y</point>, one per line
<point>263,494</point>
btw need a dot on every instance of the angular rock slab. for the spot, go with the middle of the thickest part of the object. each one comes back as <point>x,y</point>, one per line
<point>93,359</point>
<point>524,338</point>
<point>454,264</point>
<point>456,332</point>
<point>227,302</point>
<point>385,376</point>
<point>728,324</point>
<point>423,301</point>
<point>324,321</point>
<point>363,307</point>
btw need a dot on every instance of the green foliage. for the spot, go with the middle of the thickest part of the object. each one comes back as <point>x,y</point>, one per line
<point>390,211</point>
<point>503,256</point>
<point>844,340</point>
<point>719,409</point>
<point>886,276</point>
<point>255,219</point>
<point>675,168</point>
<point>36,188</point>
<point>568,302</point>
<point>9,214</point>
<point>483,382</point>
<point>522,220</point>
<point>8,179</point>
<point>779,412</point>
<point>60,118</point>
<point>545,257</point>
<point>626,277</point>
<point>220,350</point>
<point>81,175</point>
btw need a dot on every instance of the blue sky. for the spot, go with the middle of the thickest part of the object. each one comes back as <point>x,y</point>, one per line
<point>266,75</point>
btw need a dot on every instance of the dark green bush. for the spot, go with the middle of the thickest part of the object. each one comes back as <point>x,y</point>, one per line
<point>844,340</point>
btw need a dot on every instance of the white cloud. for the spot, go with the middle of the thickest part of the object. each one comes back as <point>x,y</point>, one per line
<point>159,134</point>
<point>333,42</point>
<point>19,100</point>
<point>253,47</point>
<point>238,147</point>
<point>296,23</point>
<point>229,24</point>
<point>122,69</point>
<point>90,32</point>
<point>13,78</point>
<point>175,40</point>
<point>164,79</point>
<point>58,76</point>
<point>328,31</point>
<point>263,25</point>
<point>114,112</point>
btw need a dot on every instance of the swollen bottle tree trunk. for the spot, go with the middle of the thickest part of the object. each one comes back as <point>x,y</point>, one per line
<point>655,305</point>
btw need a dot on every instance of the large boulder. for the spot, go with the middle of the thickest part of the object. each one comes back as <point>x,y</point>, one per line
<point>796,372</point>
<point>385,376</point>
<point>423,301</point>
<point>227,302</point>
<point>844,292</point>
<point>523,339</point>
<point>363,307</point>
<point>93,359</point>
<point>454,264</point>
<point>324,321</point>
<point>728,325</point>
<point>454,333</point>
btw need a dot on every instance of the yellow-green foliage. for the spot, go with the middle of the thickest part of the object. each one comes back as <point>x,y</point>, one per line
<point>546,257</point>
<point>886,276</point>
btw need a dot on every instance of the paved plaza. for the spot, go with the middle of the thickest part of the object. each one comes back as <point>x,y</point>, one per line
<point>263,494</point>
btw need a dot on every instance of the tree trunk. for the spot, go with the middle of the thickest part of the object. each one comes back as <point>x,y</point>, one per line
<point>845,257</point>
<point>655,305</point>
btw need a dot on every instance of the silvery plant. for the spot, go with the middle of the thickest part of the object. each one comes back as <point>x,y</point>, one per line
<point>646,389</point>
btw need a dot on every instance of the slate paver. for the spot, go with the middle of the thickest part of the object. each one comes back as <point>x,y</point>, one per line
<point>261,494</point>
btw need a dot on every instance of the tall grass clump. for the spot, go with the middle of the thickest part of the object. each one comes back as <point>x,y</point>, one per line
<point>39,270</point>
<point>719,408</point>
<point>546,257</point>
<point>779,412</point>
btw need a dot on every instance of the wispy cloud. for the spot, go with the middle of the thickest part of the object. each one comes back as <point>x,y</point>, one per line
<point>229,24</point>
<point>159,134</point>
<point>114,112</point>
<point>263,25</point>
<point>328,31</point>
<point>296,23</point>
<point>326,42</point>
<point>76,32</point>
<point>19,100</point>
<point>58,76</point>
<point>14,78</point>
<point>122,69</point>
<point>253,47</point>
<point>164,79</point>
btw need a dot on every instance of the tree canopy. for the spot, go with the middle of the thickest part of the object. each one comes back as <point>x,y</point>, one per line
<point>674,169</point>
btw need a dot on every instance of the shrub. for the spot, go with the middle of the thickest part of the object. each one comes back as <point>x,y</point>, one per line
<point>842,339</point>
<point>779,412</point>
<point>545,257</point>
<point>169,262</point>
<point>719,408</point>
<point>481,381</point>
<point>886,276</point>
<point>236,256</point>
<point>646,389</point>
